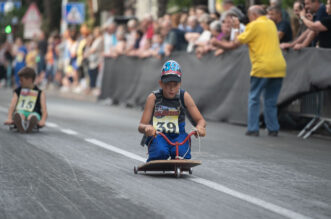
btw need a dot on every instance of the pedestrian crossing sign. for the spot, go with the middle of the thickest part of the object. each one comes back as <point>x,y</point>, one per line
<point>75,13</point>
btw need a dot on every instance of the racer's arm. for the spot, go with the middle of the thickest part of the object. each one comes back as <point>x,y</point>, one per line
<point>195,114</point>
<point>42,121</point>
<point>11,109</point>
<point>144,126</point>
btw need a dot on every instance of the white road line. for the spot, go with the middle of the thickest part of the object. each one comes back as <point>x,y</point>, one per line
<point>51,125</point>
<point>69,131</point>
<point>115,149</point>
<point>213,185</point>
<point>266,205</point>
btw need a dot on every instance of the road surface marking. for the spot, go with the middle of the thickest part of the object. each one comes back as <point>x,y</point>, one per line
<point>213,185</point>
<point>266,205</point>
<point>69,131</point>
<point>115,149</point>
<point>51,125</point>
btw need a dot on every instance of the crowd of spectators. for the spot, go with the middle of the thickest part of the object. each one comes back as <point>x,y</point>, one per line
<point>74,60</point>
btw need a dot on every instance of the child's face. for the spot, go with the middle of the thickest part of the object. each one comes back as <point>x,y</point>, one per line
<point>170,89</point>
<point>26,82</point>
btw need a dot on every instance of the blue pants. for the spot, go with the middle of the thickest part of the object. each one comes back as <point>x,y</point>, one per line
<point>159,149</point>
<point>270,87</point>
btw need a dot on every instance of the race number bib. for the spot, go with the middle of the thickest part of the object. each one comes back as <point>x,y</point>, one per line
<point>166,120</point>
<point>27,100</point>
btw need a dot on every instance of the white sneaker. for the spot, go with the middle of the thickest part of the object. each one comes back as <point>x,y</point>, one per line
<point>64,89</point>
<point>78,90</point>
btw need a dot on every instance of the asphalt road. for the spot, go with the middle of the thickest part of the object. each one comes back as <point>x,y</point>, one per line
<point>81,166</point>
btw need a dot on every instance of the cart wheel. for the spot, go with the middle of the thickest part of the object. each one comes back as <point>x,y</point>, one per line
<point>177,172</point>
<point>190,171</point>
<point>135,170</point>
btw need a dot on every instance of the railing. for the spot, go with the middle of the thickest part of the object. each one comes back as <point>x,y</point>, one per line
<point>317,107</point>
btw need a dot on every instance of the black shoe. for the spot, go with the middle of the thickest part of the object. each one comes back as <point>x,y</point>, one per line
<point>252,133</point>
<point>32,123</point>
<point>19,123</point>
<point>273,133</point>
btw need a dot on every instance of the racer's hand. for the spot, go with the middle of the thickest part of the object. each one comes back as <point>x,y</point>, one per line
<point>201,131</point>
<point>41,123</point>
<point>9,122</point>
<point>150,131</point>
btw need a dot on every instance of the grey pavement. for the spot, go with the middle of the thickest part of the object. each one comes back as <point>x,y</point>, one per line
<point>59,173</point>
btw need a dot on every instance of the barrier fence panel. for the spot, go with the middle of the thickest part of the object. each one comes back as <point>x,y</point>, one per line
<point>220,85</point>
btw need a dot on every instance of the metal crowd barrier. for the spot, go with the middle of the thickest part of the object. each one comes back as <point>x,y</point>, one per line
<point>316,106</point>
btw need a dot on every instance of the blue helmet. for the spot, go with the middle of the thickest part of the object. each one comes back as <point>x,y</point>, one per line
<point>171,71</point>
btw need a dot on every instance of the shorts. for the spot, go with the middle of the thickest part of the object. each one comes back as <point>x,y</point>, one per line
<point>27,114</point>
<point>159,149</point>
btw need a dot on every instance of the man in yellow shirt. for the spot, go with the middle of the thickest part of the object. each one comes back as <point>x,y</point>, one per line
<point>268,69</point>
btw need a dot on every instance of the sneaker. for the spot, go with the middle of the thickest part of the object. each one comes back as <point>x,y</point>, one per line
<point>32,123</point>
<point>19,123</point>
<point>252,133</point>
<point>273,133</point>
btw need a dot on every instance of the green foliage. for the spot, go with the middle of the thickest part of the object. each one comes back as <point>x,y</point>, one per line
<point>180,5</point>
<point>6,20</point>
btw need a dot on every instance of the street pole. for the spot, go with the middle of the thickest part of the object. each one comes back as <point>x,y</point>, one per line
<point>211,6</point>
<point>64,24</point>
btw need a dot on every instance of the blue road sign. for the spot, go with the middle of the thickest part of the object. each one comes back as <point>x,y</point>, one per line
<point>75,13</point>
<point>5,4</point>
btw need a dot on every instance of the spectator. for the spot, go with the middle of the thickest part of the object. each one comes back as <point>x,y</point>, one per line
<point>205,36</point>
<point>19,52</point>
<point>215,16</point>
<point>183,26</point>
<point>82,70</point>
<point>228,6</point>
<point>42,48</point>
<point>93,54</point>
<point>70,62</point>
<point>216,32</point>
<point>278,3</point>
<point>229,32</point>
<point>228,24</point>
<point>322,28</point>
<point>318,10</point>
<point>173,38</point>
<point>131,36</point>
<point>193,25</point>
<point>49,63</point>
<point>283,26</point>
<point>147,29</point>
<point>200,10</point>
<point>193,33</point>
<point>119,49</point>
<point>268,69</point>
<point>109,37</point>
<point>31,56</point>
<point>297,7</point>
